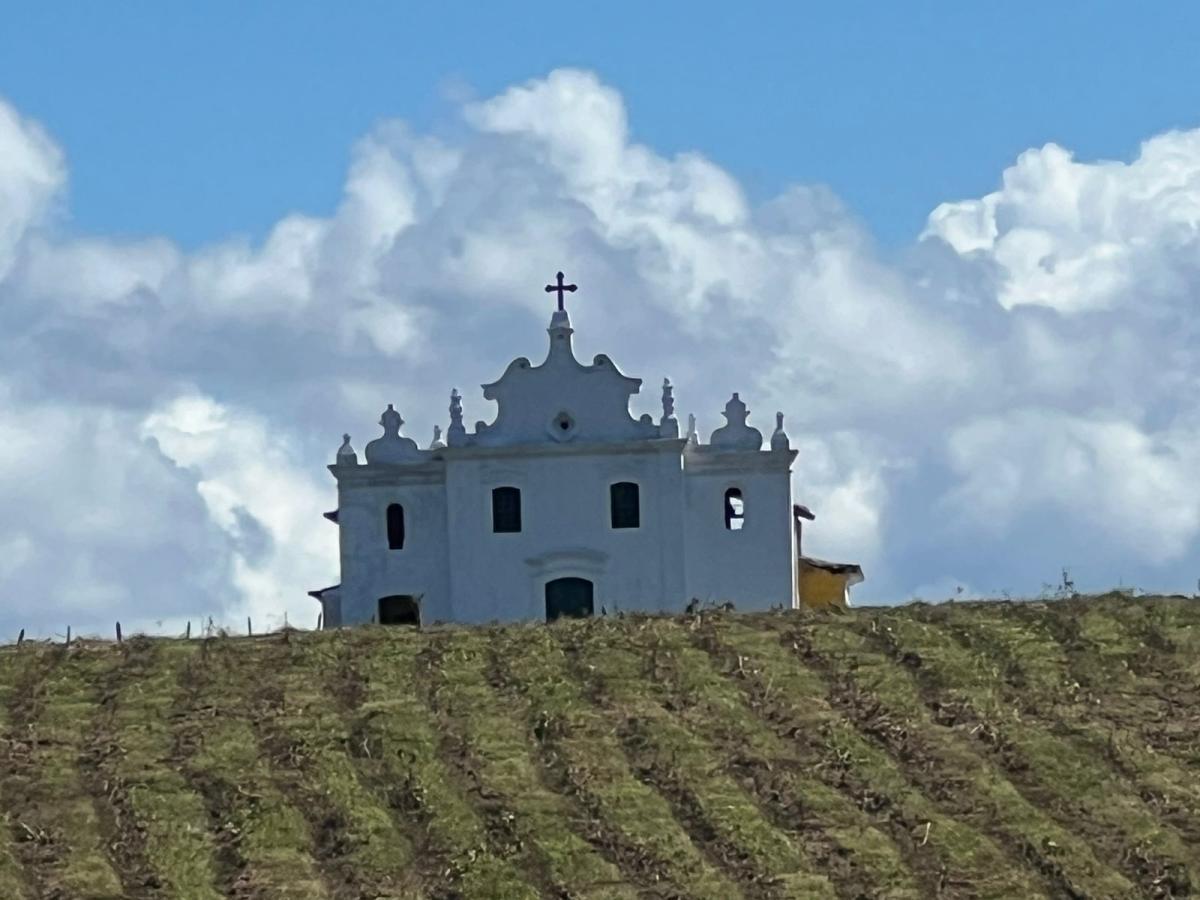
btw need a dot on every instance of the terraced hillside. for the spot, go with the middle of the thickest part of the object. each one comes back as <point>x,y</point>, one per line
<point>964,750</point>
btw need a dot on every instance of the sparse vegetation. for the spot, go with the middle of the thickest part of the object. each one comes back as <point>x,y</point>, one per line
<point>1000,750</point>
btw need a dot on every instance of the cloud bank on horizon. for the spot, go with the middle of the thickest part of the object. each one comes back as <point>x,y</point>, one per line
<point>1013,392</point>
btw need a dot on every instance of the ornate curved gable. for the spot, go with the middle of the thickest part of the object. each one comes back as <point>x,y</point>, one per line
<point>562,400</point>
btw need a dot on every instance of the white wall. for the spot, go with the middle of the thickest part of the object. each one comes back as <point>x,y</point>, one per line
<point>753,566</point>
<point>566,530</point>
<point>466,573</point>
<point>371,570</point>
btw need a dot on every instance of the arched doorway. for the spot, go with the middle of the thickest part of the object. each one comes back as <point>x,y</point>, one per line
<point>570,597</point>
<point>399,609</point>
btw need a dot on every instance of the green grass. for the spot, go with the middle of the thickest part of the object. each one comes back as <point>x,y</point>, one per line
<point>266,843</point>
<point>496,746</point>
<point>932,812</point>
<point>10,869</point>
<point>134,725</point>
<point>860,857</point>
<point>1067,776</point>
<point>1083,679</point>
<point>400,742</point>
<point>309,748</point>
<point>685,766</point>
<point>583,753</point>
<point>884,700</point>
<point>49,807</point>
<point>960,751</point>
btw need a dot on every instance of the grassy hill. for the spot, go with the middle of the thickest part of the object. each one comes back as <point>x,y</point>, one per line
<point>963,750</point>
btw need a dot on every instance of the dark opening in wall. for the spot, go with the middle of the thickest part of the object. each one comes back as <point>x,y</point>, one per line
<point>395,526</point>
<point>624,506</point>
<point>399,609</point>
<point>570,598</point>
<point>735,510</point>
<point>506,509</point>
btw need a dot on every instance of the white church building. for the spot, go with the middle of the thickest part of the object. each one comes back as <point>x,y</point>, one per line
<point>563,505</point>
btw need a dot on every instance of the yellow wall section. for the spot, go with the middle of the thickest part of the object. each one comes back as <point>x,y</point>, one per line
<point>820,589</point>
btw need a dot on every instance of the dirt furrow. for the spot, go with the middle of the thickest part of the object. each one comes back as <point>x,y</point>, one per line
<point>581,756</point>
<point>12,879</point>
<point>263,845</point>
<point>490,751</point>
<point>63,844</point>
<point>606,873</point>
<point>357,847</point>
<point>1083,793</point>
<point>1159,643</point>
<point>883,701</point>
<point>718,813</point>
<point>160,819</point>
<point>399,747</point>
<point>844,842</point>
<point>20,675</point>
<point>1080,672</point>
<point>953,856</point>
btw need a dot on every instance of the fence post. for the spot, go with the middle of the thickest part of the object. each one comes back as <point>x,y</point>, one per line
<point>21,637</point>
<point>118,632</point>
<point>249,630</point>
<point>68,644</point>
<point>187,635</point>
<point>320,615</point>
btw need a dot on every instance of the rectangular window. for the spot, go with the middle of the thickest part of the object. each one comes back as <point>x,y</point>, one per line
<point>506,510</point>
<point>624,505</point>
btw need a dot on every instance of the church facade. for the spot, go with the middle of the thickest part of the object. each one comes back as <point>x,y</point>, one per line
<point>564,505</point>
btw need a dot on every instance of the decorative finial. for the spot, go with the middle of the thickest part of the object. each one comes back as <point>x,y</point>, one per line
<point>346,455</point>
<point>735,434</point>
<point>437,443</point>
<point>456,434</point>
<point>392,448</point>
<point>391,421</point>
<point>668,425</point>
<point>779,438</point>
<point>736,412</point>
<point>560,288</point>
<point>692,436</point>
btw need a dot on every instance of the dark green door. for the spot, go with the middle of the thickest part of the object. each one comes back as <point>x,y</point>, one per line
<point>570,597</point>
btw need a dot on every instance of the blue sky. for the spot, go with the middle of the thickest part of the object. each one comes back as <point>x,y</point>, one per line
<point>958,245</point>
<point>202,120</point>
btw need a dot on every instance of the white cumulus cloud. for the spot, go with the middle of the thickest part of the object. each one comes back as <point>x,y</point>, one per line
<point>31,175</point>
<point>1078,237</point>
<point>1015,391</point>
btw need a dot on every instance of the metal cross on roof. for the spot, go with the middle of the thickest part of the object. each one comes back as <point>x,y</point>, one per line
<point>559,289</point>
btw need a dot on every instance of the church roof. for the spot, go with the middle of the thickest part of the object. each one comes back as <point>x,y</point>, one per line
<point>562,399</point>
<point>565,405</point>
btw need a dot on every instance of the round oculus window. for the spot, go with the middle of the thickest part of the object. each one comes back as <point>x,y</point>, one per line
<point>562,426</point>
